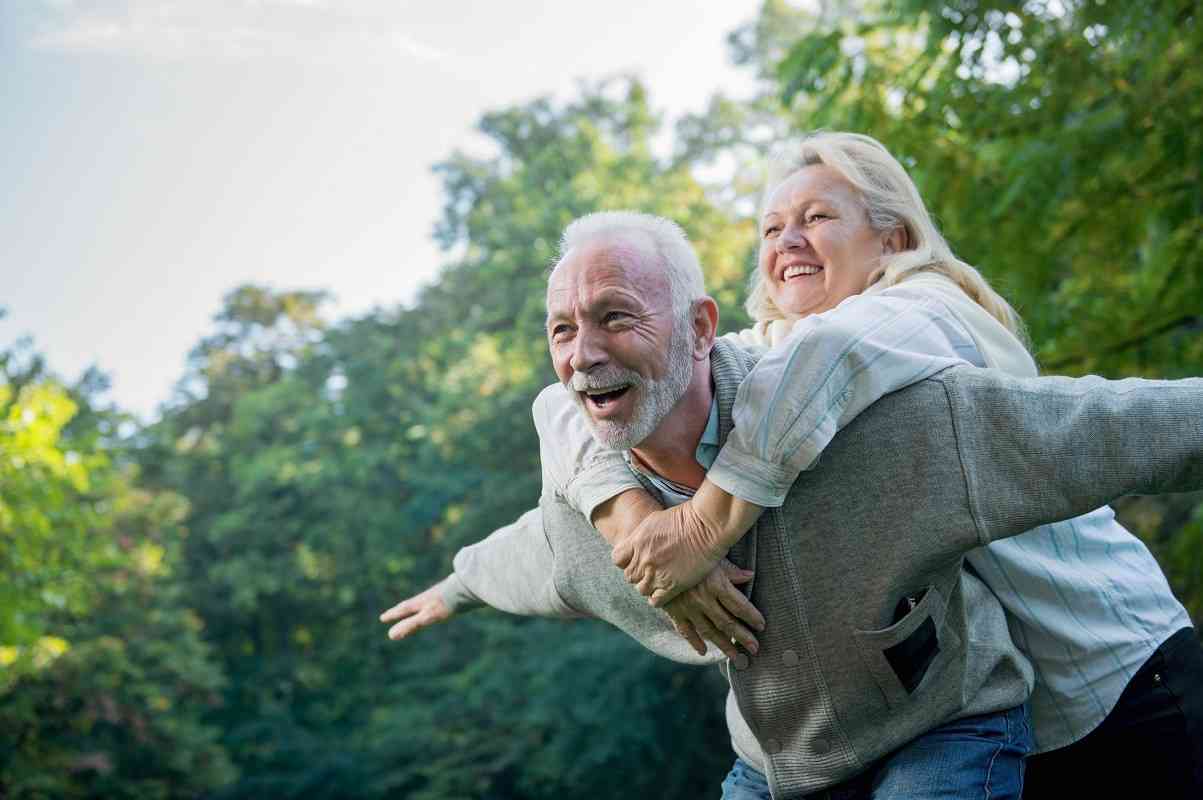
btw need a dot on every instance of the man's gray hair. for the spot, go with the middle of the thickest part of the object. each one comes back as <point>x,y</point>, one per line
<point>667,239</point>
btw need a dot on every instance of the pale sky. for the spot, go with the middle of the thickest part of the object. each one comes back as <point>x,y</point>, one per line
<point>154,155</point>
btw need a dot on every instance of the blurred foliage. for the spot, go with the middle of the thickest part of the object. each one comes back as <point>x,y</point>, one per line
<point>192,610</point>
<point>1058,143</point>
<point>104,676</point>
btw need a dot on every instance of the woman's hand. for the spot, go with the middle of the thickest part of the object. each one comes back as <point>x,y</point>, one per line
<point>416,613</point>
<point>673,549</point>
<point>717,612</point>
<point>669,552</point>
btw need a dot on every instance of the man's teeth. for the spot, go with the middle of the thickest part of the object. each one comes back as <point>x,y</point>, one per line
<point>609,390</point>
<point>801,269</point>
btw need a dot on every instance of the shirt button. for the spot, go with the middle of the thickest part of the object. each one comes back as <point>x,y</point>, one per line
<point>741,661</point>
<point>772,746</point>
<point>822,745</point>
<point>789,658</point>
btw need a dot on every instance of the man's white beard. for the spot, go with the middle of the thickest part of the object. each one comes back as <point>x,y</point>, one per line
<point>654,398</point>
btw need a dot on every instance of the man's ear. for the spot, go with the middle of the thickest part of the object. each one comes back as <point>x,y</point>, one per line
<point>895,241</point>
<point>704,319</point>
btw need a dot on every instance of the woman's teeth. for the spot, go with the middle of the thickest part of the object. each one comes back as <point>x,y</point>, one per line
<point>801,269</point>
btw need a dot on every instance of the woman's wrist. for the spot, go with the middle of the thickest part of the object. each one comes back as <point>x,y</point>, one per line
<point>726,518</point>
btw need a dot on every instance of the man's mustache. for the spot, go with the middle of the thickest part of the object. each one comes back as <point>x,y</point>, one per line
<point>604,378</point>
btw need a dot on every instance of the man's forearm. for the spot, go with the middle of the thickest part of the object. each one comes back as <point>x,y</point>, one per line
<point>620,515</point>
<point>513,570</point>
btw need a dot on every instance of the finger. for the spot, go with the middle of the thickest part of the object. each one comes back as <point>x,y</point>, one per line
<point>742,608</point>
<point>737,575</point>
<point>722,621</point>
<point>622,554</point>
<point>690,634</point>
<point>405,628</point>
<point>396,612</point>
<point>633,573</point>
<point>660,597</point>
<point>740,576</point>
<point>646,586</point>
<point>712,634</point>
<point>744,636</point>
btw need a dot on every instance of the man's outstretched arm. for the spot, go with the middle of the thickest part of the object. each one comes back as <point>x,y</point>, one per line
<point>420,611</point>
<point>511,570</point>
<point>1041,450</point>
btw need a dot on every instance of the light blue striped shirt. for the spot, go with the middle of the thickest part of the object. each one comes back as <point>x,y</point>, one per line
<point>1085,599</point>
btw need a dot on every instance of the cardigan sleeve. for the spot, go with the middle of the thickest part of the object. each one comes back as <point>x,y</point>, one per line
<point>511,570</point>
<point>1040,450</point>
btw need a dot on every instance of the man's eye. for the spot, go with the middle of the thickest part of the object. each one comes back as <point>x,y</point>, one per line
<point>559,330</point>
<point>614,316</point>
<point>816,218</point>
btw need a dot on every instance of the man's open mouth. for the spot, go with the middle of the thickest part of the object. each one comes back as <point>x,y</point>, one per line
<point>600,398</point>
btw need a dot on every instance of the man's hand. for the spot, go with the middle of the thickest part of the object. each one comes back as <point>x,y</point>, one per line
<point>672,550</point>
<point>716,611</point>
<point>416,613</point>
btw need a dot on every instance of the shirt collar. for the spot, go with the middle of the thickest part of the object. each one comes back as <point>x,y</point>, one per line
<point>706,452</point>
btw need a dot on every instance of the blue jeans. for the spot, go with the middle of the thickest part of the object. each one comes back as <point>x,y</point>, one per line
<point>976,757</point>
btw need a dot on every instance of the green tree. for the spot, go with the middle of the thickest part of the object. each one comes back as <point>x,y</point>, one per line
<point>103,677</point>
<point>1059,146</point>
<point>332,471</point>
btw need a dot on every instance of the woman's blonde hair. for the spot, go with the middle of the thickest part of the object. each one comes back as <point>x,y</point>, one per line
<point>891,200</point>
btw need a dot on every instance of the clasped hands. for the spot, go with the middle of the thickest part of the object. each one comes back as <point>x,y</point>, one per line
<point>676,558</point>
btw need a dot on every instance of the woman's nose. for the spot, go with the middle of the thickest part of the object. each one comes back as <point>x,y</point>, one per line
<point>791,238</point>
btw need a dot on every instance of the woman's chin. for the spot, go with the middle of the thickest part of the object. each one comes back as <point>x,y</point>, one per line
<point>798,302</point>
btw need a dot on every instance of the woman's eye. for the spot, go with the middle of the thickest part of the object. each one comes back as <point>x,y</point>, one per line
<point>772,230</point>
<point>614,316</point>
<point>816,218</point>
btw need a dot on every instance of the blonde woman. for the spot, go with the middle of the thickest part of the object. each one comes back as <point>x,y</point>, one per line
<point>848,246</point>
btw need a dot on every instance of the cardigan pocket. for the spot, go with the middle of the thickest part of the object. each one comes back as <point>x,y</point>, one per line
<point>907,656</point>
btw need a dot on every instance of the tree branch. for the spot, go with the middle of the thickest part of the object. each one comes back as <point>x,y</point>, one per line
<point>1127,344</point>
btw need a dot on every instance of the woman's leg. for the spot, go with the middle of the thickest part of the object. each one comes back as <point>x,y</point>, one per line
<point>1150,745</point>
<point>980,757</point>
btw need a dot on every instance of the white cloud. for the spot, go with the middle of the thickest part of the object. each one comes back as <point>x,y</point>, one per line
<point>303,31</point>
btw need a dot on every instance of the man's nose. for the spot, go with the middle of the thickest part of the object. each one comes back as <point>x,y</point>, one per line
<point>587,350</point>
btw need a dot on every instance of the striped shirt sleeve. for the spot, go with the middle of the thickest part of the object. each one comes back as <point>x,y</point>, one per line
<point>831,367</point>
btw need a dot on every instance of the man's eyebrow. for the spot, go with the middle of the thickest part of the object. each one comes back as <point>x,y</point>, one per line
<point>605,298</point>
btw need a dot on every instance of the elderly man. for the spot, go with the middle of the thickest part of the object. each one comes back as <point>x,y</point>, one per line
<point>876,636</point>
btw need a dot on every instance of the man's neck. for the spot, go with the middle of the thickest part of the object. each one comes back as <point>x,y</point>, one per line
<point>671,450</point>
